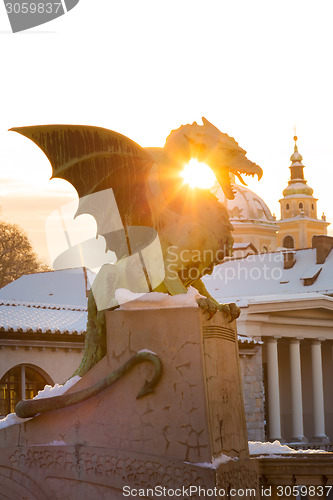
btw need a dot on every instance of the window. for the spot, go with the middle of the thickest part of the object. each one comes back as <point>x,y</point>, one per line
<point>11,386</point>
<point>300,206</point>
<point>288,242</point>
<point>287,206</point>
<point>312,206</point>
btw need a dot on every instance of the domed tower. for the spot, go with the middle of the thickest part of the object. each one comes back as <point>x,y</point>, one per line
<point>252,220</point>
<point>299,222</point>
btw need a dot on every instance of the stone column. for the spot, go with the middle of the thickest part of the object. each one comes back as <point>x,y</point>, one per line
<point>273,389</point>
<point>318,392</point>
<point>296,391</point>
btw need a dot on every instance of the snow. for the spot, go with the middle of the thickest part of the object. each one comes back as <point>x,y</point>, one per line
<point>215,463</point>
<point>12,419</point>
<point>54,301</point>
<point>311,272</point>
<point>66,286</point>
<point>57,389</point>
<point>298,185</point>
<point>246,206</point>
<point>41,305</point>
<point>281,298</point>
<point>47,392</point>
<point>147,350</point>
<point>244,339</point>
<point>264,275</point>
<point>301,216</point>
<point>41,318</point>
<point>275,449</point>
<point>238,246</point>
<point>129,300</point>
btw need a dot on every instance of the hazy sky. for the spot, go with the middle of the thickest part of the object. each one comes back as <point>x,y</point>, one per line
<point>142,68</point>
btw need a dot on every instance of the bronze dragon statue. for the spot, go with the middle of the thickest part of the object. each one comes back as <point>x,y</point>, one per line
<point>149,193</point>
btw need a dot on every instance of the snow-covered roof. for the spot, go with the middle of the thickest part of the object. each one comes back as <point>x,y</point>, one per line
<point>66,287</point>
<point>44,320</point>
<point>264,275</point>
<point>241,245</point>
<point>54,302</point>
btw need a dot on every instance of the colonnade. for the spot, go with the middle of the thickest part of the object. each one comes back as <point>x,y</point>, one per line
<point>273,390</point>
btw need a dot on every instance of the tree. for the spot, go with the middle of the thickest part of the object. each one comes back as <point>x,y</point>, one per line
<point>16,254</point>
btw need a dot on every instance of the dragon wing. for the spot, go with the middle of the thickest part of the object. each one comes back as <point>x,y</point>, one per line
<point>96,160</point>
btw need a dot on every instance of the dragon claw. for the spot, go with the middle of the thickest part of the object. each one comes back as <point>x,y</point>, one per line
<point>225,309</point>
<point>234,311</point>
<point>209,307</point>
<point>230,310</point>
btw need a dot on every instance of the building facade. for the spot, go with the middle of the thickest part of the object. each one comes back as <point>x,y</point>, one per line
<point>42,325</point>
<point>286,302</point>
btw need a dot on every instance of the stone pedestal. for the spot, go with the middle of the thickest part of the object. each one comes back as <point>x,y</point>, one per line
<point>166,439</point>
<point>197,406</point>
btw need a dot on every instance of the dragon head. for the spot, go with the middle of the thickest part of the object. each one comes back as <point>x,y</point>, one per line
<point>209,145</point>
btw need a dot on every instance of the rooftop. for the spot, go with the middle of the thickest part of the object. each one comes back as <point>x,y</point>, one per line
<point>49,302</point>
<point>265,275</point>
<point>24,318</point>
<point>67,288</point>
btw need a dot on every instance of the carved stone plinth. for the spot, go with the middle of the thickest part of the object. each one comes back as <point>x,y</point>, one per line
<point>83,472</point>
<point>197,407</point>
<point>165,439</point>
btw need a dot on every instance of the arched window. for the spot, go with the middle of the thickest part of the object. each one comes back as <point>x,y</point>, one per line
<point>287,206</point>
<point>312,206</point>
<point>288,242</point>
<point>22,381</point>
<point>300,206</point>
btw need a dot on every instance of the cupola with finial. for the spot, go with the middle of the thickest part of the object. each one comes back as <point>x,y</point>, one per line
<point>297,184</point>
<point>299,221</point>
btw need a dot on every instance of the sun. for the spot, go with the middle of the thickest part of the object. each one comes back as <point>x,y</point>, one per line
<point>198,175</point>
